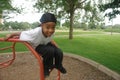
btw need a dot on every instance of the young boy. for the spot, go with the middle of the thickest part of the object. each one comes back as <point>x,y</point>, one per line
<point>41,40</point>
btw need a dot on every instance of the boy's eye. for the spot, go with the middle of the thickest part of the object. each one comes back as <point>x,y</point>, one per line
<point>48,27</point>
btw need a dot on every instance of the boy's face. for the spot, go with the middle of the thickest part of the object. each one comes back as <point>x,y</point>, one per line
<point>48,28</point>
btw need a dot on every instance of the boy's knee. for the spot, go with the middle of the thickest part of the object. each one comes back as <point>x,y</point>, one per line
<point>51,51</point>
<point>59,51</point>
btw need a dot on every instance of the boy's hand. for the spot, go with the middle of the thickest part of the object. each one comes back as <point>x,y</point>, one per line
<point>13,35</point>
<point>8,36</point>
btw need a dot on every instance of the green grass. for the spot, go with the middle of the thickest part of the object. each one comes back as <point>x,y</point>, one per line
<point>104,49</point>
<point>19,46</point>
<point>78,32</point>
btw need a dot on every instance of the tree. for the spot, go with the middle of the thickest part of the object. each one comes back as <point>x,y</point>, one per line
<point>7,5</point>
<point>92,16</point>
<point>112,4</point>
<point>17,25</point>
<point>4,5</point>
<point>35,24</point>
<point>64,6</point>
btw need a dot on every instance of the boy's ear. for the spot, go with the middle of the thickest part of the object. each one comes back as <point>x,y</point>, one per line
<point>41,24</point>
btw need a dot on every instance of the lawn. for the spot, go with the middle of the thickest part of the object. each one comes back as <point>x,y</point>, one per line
<point>104,49</point>
<point>96,45</point>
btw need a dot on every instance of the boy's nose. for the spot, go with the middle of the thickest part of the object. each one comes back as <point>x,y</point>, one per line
<point>51,30</point>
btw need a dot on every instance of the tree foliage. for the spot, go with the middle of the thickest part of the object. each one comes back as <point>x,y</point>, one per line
<point>62,8</point>
<point>5,5</point>
<point>16,25</point>
<point>114,5</point>
<point>92,16</point>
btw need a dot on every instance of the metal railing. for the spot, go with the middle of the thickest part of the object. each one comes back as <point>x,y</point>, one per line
<point>9,62</point>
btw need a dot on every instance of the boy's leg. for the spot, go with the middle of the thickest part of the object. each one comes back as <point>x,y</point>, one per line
<point>58,60</point>
<point>47,53</point>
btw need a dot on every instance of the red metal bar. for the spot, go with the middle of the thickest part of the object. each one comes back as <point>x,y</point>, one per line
<point>9,62</point>
<point>39,58</point>
<point>30,48</point>
<point>6,48</point>
<point>58,75</point>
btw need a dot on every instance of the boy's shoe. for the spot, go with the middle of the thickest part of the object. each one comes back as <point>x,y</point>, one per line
<point>62,70</point>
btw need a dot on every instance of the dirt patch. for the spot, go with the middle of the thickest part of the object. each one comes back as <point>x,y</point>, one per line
<point>25,67</point>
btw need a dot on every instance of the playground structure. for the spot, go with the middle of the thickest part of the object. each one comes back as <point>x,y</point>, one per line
<point>38,57</point>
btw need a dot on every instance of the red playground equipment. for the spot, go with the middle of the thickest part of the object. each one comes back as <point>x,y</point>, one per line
<point>9,62</point>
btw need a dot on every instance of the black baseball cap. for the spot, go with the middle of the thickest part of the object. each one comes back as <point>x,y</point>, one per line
<point>48,17</point>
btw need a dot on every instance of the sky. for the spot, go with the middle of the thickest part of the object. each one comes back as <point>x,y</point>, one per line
<point>114,21</point>
<point>30,15</point>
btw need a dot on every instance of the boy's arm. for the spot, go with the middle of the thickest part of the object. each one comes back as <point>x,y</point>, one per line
<point>54,43</point>
<point>12,35</point>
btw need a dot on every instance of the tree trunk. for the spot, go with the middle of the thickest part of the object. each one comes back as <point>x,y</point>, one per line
<point>71,25</point>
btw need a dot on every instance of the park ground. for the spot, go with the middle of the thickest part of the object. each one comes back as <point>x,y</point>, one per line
<point>26,67</point>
